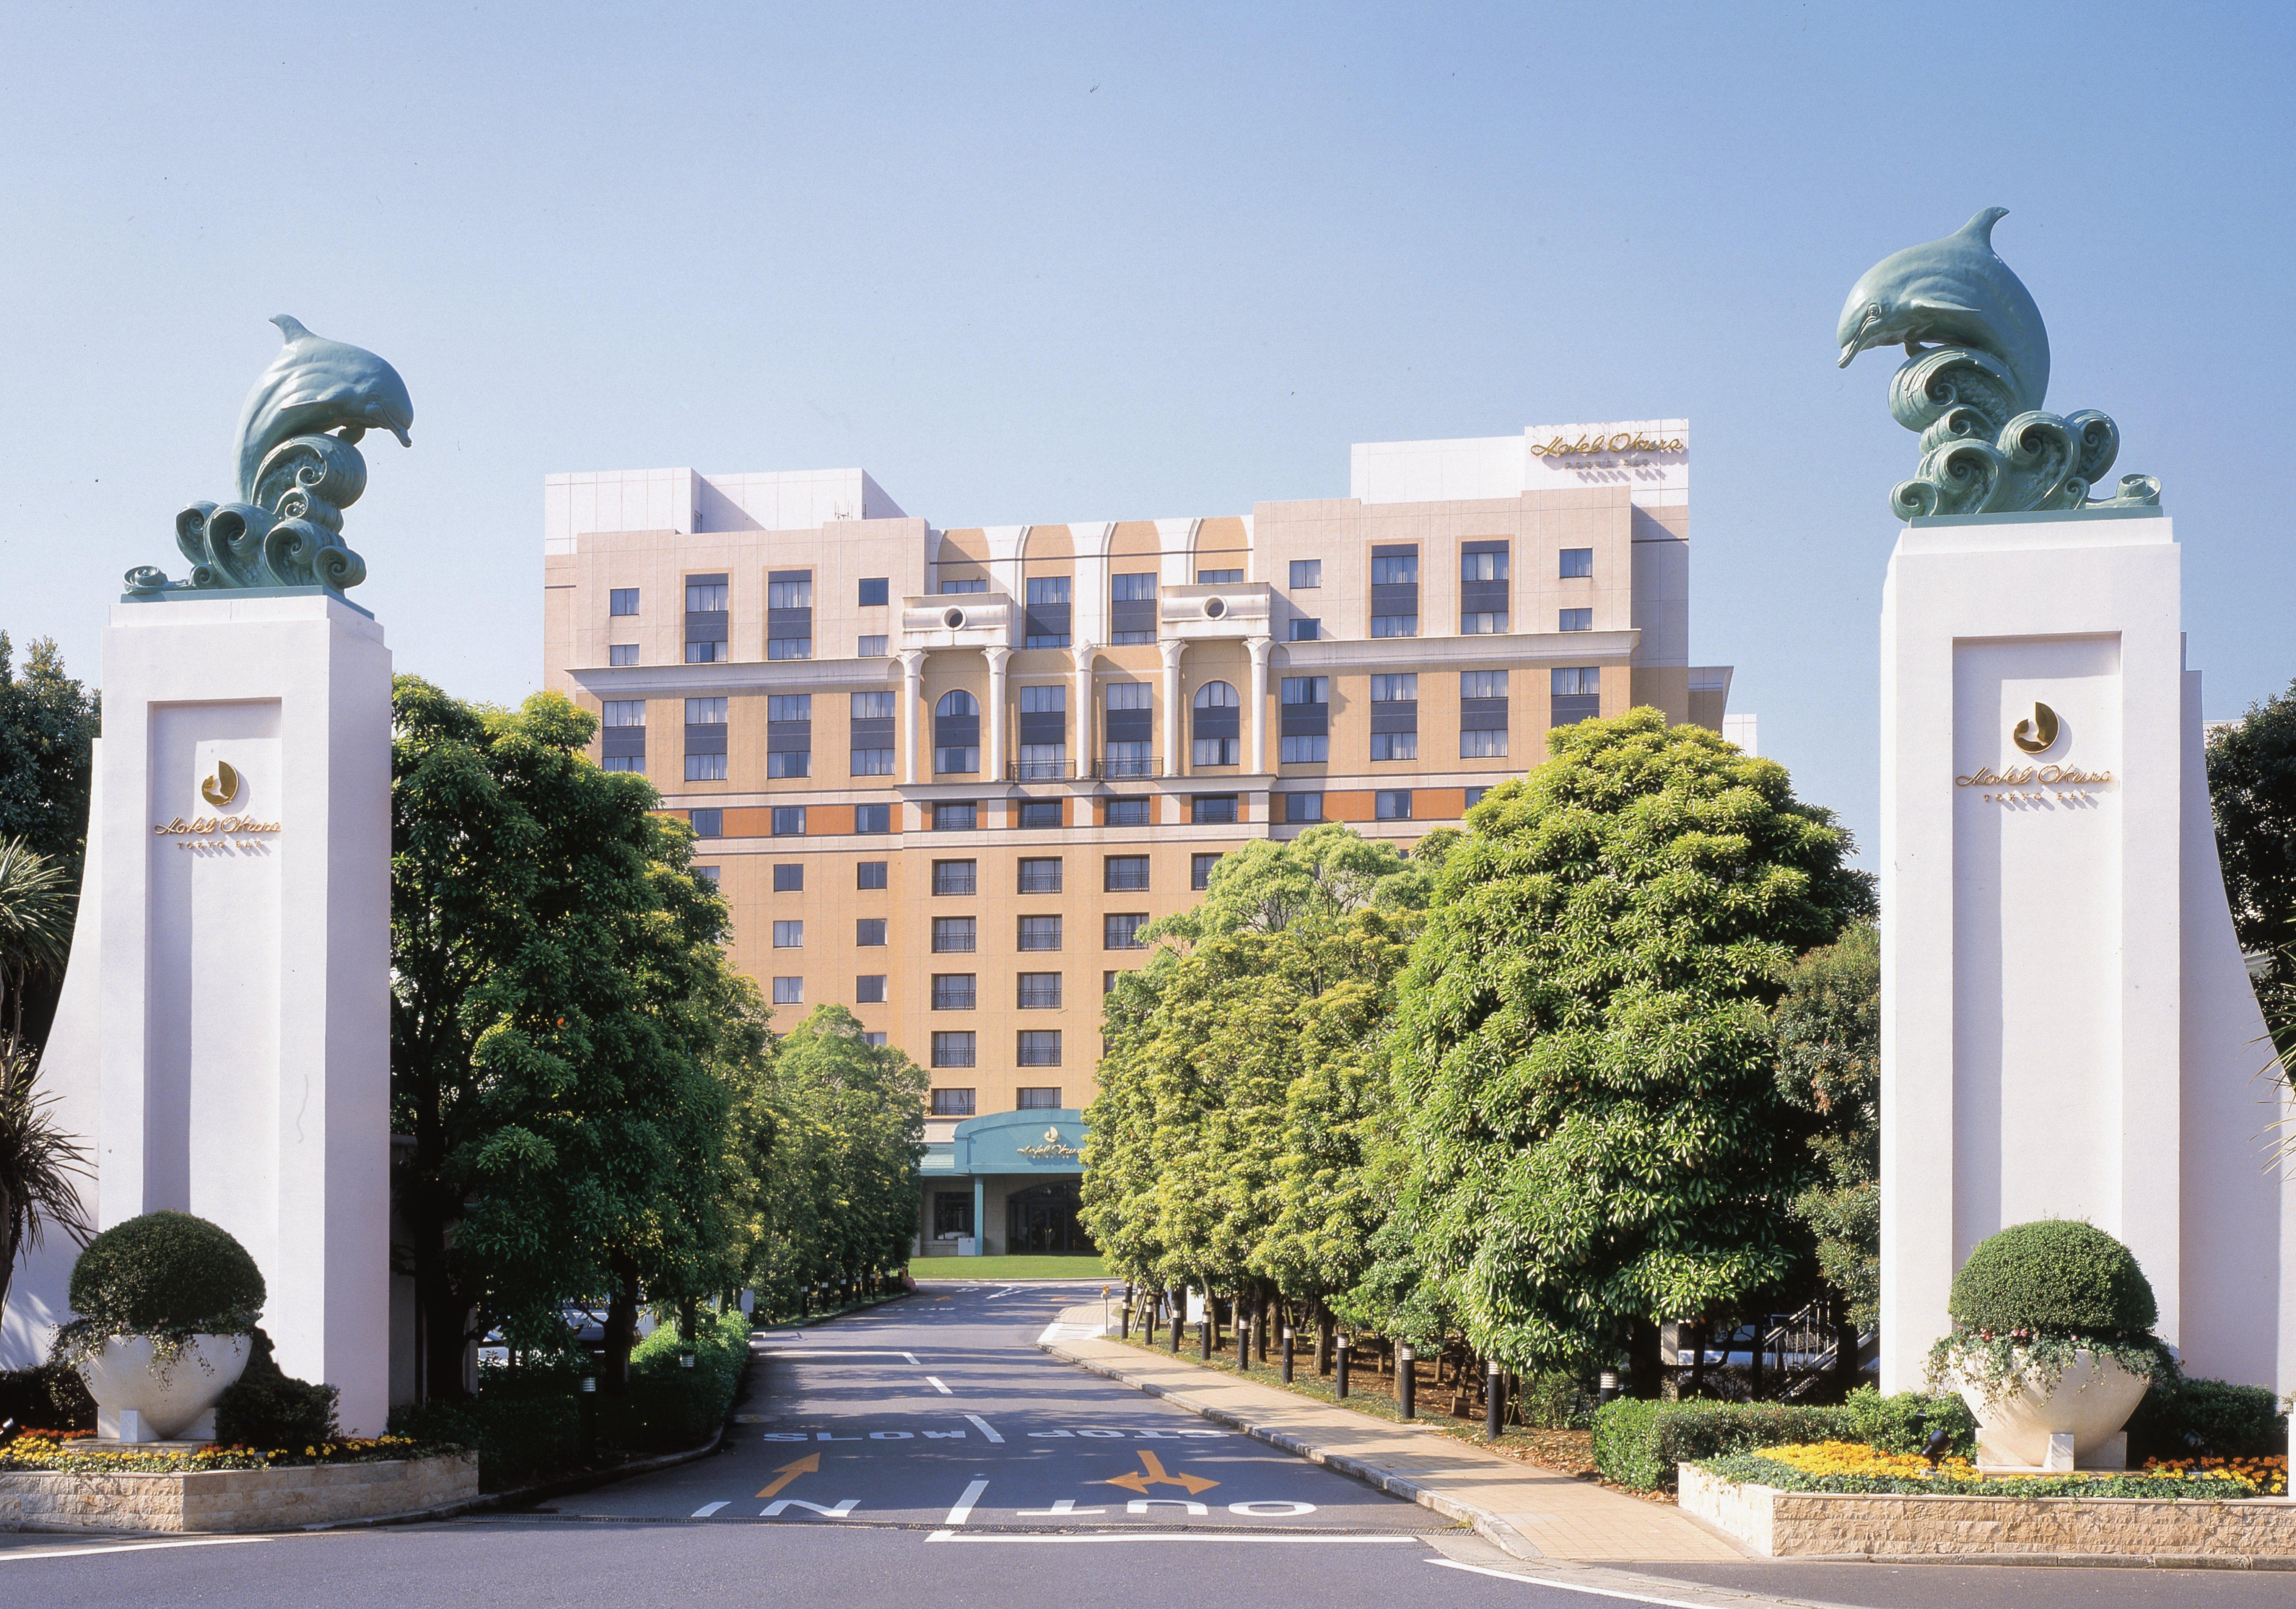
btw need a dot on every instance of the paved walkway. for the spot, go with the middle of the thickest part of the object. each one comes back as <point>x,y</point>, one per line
<point>1532,1513</point>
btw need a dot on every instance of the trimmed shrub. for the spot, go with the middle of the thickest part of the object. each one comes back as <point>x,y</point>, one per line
<point>269,1408</point>
<point>1902,1424</point>
<point>51,1397</point>
<point>2054,1276</point>
<point>1638,1444</point>
<point>2229,1421</point>
<point>166,1273</point>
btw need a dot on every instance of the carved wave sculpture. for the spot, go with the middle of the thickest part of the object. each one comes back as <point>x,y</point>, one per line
<point>289,534</point>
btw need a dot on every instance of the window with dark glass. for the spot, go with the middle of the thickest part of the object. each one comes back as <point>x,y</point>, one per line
<point>952,1208</point>
<point>1394,590</point>
<point>1044,732</point>
<point>1121,930</point>
<point>872,818</point>
<point>954,877</point>
<point>1132,608</point>
<point>705,740</point>
<point>1307,719</point>
<point>622,600</point>
<point>1038,1099</point>
<point>1199,871</point>
<point>1121,873</point>
<point>789,821</point>
<point>1212,809</point>
<point>952,992</point>
<point>1219,577</point>
<point>953,935</point>
<point>1217,717</point>
<point>953,1049</point>
<point>706,628</point>
<point>1576,694</point>
<point>1474,797</point>
<point>789,991</point>
<point>1307,631</point>
<point>789,735</point>
<point>1039,1047</point>
<point>621,733</point>
<point>870,873</point>
<point>869,723</point>
<point>1482,587</point>
<point>868,933</point>
<point>962,584</point>
<point>955,816</point>
<point>789,614</point>
<point>1127,729</point>
<point>1039,991</point>
<point>956,734</point>
<point>1040,875</point>
<point>1126,813</point>
<point>708,873</point>
<point>789,935</point>
<point>1306,573</point>
<point>1578,561</point>
<point>1038,813</point>
<point>622,653</point>
<point>1040,934</point>
<point>1393,805</point>
<point>1044,622</point>
<point>708,823</point>
<point>1302,808</point>
<point>952,1103</point>
<point>790,879</point>
<point>1574,619</point>
<point>869,989</point>
<point>875,591</point>
<point>1482,714</point>
<point>1395,718</point>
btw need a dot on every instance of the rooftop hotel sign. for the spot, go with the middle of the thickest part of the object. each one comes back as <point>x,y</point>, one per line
<point>1650,457</point>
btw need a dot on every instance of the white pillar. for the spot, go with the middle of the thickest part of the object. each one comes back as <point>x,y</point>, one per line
<point>1172,647</point>
<point>1260,647</point>
<point>993,762</point>
<point>912,693</point>
<point>1083,653</point>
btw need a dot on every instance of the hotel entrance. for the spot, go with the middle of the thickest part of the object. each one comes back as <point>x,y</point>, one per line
<point>1042,1218</point>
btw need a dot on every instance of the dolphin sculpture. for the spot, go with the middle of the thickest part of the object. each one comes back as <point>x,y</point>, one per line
<point>1954,292</point>
<point>316,385</point>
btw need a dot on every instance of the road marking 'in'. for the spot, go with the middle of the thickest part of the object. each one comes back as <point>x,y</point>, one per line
<point>985,1429</point>
<point>706,1509</point>
<point>937,1386</point>
<point>963,1512</point>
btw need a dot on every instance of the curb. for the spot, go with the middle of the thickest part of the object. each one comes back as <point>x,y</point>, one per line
<point>1486,1524</point>
<point>563,1487</point>
<point>2065,1561</point>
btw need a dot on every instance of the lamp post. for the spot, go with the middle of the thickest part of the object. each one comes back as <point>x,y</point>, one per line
<point>1340,1392</point>
<point>1407,1380</point>
<point>589,1406</point>
<point>1242,1341</point>
<point>1494,1400</point>
<point>1287,1354</point>
<point>1609,1389</point>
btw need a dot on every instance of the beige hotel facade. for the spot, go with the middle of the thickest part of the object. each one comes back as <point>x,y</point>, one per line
<point>945,775</point>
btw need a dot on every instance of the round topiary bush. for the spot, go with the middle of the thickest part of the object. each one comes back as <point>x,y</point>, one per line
<point>2056,1276</point>
<point>166,1273</point>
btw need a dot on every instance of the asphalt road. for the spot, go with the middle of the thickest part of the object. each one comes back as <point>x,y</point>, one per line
<point>926,1450</point>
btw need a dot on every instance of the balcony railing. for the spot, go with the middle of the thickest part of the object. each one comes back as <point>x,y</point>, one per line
<point>1040,997</point>
<point>951,1000</point>
<point>1040,883</point>
<point>1040,770</point>
<point>953,1056</point>
<point>949,880</point>
<point>1107,769</point>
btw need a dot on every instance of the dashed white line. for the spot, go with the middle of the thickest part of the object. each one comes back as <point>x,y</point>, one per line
<point>985,1429</point>
<point>963,1512</point>
<point>706,1509</point>
<point>934,1381</point>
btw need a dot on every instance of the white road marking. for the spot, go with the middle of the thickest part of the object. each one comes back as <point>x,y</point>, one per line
<point>963,1512</point>
<point>1142,1505</point>
<point>849,1351</point>
<point>78,1553</point>
<point>1065,1508</point>
<point>706,1509</point>
<point>1007,1291</point>
<point>937,1386</point>
<point>1541,1581</point>
<point>1272,1508</point>
<point>912,1357</point>
<point>842,1511</point>
<point>984,1428</point>
<point>1262,1539</point>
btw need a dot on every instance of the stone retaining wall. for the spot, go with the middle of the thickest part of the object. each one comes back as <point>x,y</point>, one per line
<point>233,1499</point>
<point>1787,1525</point>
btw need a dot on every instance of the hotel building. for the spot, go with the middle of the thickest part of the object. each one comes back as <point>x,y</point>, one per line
<point>945,776</point>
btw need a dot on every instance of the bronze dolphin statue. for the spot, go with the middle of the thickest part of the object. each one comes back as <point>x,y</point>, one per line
<point>316,385</point>
<point>1954,292</point>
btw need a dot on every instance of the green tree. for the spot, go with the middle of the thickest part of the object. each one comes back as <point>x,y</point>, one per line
<point>1829,1038</point>
<point>47,729</point>
<point>2252,790</point>
<point>1583,1052</point>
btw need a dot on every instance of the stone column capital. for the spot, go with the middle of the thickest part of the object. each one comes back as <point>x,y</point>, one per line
<point>1172,648</point>
<point>913,663</point>
<point>1083,654</point>
<point>1259,648</point>
<point>996,656</point>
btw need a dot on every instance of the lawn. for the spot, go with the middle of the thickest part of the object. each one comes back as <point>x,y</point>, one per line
<point>1007,1267</point>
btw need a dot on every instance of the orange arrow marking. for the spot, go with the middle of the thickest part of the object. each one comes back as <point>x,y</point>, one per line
<point>809,1465</point>
<point>1154,1474</point>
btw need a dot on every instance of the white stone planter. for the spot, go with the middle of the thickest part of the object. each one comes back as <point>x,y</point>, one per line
<point>2022,1426</point>
<point>138,1398</point>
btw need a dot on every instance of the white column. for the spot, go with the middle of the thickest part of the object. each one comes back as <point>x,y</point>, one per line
<point>912,693</point>
<point>1173,647</point>
<point>1083,654</point>
<point>993,762</point>
<point>1258,647</point>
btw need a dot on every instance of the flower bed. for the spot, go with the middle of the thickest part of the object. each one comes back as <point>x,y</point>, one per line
<point>1851,1468</point>
<point>77,1453</point>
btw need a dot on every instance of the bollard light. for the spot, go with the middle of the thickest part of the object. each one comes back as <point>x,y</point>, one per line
<point>589,1383</point>
<point>686,1361</point>
<point>1609,1386</point>
<point>1494,1400</point>
<point>1287,1354</point>
<point>1340,1392</point>
<point>1407,1380</point>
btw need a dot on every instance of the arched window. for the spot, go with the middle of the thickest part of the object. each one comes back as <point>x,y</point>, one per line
<point>1217,717</point>
<point>957,734</point>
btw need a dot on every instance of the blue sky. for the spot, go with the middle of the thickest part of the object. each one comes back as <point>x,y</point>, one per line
<point>1042,263</point>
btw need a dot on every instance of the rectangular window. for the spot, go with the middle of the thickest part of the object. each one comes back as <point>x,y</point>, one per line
<point>1482,684</point>
<point>789,935</point>
<point>1483,588</point>
<point>1395,567</point>
<point>786,763</point>
<point>705,595</point>
<point>1482,745</point>
<point>789,648</point>
<point>1483,623</point>
<point>1219,577</point>
<point>1128,695</point>
<point>1039,991</point>
<point>1040,932</point>
<point>705,711</point>
<point>1136,588</point>
<point>952,991</point>
<point>1306,722</point>
<point>1306,573</point>
<point>1108,983</point>
<point>1040,875</point>
<point>1045,699</point>
<point>789,991</point>
<point>872,706</point>
<point>954,761</point>
<point>1039,1047</point>
<point>1395,745</point>
<point>1045,622</point>
<point>1578,561</point>
<point>622,653</point>
<point>953,876</point>
<point>1576,694</point>
<point>1483,562</point>
<point>713,653</point>
<point>779,706</point>
<point>790,879</point>
<point>1482,714</point>
<point>1129,759</point>
<point>1199,871</point>
<point>708,823</point>
<point>1393,805</point>
<point>789,821</point>
<point>875,591</point>
<point>869,874</point>
<point>1574,619</point>
<point>1304,750</point>
<point>623,712</point>
<point>1124,874</point>
<point>1394,625</point>
<point>965,584</point>
<point>1307,631</point>
<point>622,600</point>
<point>1126,813</point>
<point>1042,762</point>
<point>869,932</point>
<point>1132,608</point>
<point>953,1049</point>
<point>1475,797</point>
<point>622,762</point>
<point>1212,809</point>
<point>872,818</point>
<point>1121,930</point>
<point>869,989</point>
<point>708,873</point>
<point>869,763</point>
<point>872,648</point>
<point>1038,813</point>
<point>1394,689</point>
<point>955,816</point>
<point>1307,689</point>
<point>1038,1099</point>
<point>947,1222</point>
<point>1301,808</point>
<point>874,1037</point>
<point>953,935</point>
<point>705,768</point>
<point>789,589</point>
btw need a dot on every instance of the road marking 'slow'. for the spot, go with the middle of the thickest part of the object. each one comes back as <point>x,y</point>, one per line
<point>78,1553</point>
<point>935,1383</point>
<point>985,1429</point>
<point>1542,1581</point>
<point>963,1512</point>
<point>706,1509</point>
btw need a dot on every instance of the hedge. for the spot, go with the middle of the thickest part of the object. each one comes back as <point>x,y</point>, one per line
<point>1639,1443</point>
<point>2229,1421</point>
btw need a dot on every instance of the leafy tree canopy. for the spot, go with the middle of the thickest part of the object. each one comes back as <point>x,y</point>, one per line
<point>2252,790</point>
<point>47,727</point>
<point>1828,1034</point>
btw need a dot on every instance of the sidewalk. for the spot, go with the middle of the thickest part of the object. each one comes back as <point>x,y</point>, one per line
<point>1529,1512</point>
